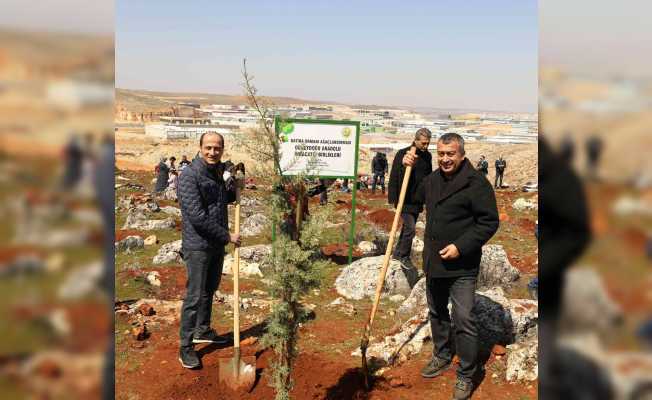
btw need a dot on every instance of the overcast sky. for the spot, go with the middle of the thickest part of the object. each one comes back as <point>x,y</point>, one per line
<point>446,54</point>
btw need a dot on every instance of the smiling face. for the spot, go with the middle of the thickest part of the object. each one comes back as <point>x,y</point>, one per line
<point>212,148</point>
<point>449,157</point>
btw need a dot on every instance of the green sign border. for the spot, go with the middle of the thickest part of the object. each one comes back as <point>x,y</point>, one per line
<point>277,121</point>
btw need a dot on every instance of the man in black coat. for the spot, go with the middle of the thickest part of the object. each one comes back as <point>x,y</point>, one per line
<point>379,170</point>
<point>203,196</point>
<point>162,175</point>
<point>483,166</point>
<point>501,164</point>
<point>411,208</point>
<point>461,216</point>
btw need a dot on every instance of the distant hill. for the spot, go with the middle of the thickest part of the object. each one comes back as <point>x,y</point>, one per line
<point>146,101</point>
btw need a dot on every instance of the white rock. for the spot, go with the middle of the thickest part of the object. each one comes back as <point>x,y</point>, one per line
<point>150,240</point>
<point>367,248</point>
<point>587,304</point>
<point>153,278</point>
<point>130,243</point>
<point>246,268</point>
<point>417,245</point>
<point>81,281</point>
<point>256,253</point>
<point>522,204</point>
<point>522,364</point>
<point>254,225</point>
<point>397,298</point>
<point>168,253</point>
<point>172,211</point>
<point>358,280</point>
<point>499,320</point>
<point>495,268</point>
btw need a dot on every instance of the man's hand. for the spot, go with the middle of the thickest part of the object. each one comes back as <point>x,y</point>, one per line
<point>409,159</point>
<point>449,252</point>
<point>235,239</point>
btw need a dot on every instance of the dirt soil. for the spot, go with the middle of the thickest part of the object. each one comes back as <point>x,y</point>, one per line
<point>324,369</point>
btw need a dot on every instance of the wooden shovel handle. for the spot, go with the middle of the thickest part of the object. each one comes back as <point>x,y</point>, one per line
<point>390,245</point>
<point>236,275</point>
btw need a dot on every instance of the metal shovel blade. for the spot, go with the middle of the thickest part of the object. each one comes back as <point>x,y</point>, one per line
<point>238,373</point>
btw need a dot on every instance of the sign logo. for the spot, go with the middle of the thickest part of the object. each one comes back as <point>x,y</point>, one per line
<point>346,132</point>
<point>286,130</point>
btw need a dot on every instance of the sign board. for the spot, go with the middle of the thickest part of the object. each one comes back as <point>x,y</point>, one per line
<point>321,148</point>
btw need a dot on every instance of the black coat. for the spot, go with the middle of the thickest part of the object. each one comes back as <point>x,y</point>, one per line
<point>379,165</point>
<point>464,214</point>
<point>162,177</point>
<point>203,199</point>
<point>421,169</point>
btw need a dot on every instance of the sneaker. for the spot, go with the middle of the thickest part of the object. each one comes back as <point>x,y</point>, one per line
<point>209,336</point>
<point>188,357</point>
<point>435,367</point>
<point>463,389</point>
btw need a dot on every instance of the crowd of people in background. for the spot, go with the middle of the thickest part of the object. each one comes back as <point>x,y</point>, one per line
<point>167,175</point>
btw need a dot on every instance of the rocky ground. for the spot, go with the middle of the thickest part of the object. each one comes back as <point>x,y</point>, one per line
<point>150,285</point>
<point>50,270</point>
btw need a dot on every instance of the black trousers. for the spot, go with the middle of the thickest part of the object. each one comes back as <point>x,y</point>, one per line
<point>379,179</point>
<point>461,291</point>
<point>408,231</point>
<point>204,273</point>
<point>499,176</point>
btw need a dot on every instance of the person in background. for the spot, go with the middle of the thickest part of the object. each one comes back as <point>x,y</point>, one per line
<point>483,166</point>
<point>411,209</point>
<point>378,171</point>
<point>501,164</point>
<point>184,163</point>
<point>162,175</point>
<point>172,161</point>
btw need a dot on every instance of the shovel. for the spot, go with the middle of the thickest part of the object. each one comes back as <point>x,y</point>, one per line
<point>237,372</point>
<point>364,342</point>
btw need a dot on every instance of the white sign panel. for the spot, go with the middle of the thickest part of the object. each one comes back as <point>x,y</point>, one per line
<point>318,149</point>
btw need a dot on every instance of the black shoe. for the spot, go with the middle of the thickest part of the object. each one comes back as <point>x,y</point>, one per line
<point>463,389</point>
<point>209,336</point>
<point>188,357</point>
<point>435,367</point>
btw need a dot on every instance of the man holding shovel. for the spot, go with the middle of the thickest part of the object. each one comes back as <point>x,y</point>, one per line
<point>203,196</point>
<point>422,167</point>
<point>461,216</point>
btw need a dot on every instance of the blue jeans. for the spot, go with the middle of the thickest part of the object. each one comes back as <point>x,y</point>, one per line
<point>204,273</point>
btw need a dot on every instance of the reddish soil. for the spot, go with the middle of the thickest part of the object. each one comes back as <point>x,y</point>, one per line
<point>8,254</point>
<point>317,375</point>
<point>339,252</point>
<point>382,218</point>
<point>123,233</point>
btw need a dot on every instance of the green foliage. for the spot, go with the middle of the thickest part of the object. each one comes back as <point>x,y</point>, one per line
<point>294,264</point>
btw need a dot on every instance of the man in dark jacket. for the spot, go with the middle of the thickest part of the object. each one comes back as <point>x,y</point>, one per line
<point>411,208</point>
<point>378,170</point>
<point>162,175</point>
<point>461,216</point>
<point>203,197</point>
<point>501,164</point>
<point>483,166</point>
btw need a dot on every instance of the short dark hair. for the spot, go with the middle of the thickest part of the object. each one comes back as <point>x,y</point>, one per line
<point>425,132</point>
<point>201,138</point>
<point>453,137</point>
